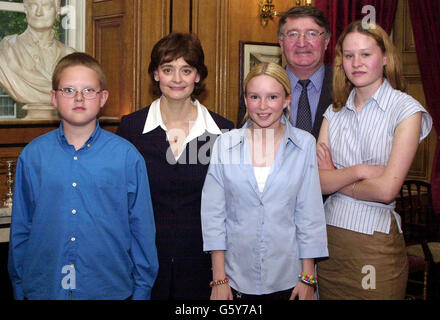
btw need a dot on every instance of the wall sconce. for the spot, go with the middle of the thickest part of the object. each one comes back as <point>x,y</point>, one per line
<point>307,2</point>
<point>267,11</point>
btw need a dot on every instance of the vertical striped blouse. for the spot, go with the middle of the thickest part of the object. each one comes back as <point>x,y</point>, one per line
<point>367,137</point>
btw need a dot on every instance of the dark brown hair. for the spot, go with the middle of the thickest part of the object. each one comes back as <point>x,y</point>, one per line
<point>175,46</point>
<point>78,59</point>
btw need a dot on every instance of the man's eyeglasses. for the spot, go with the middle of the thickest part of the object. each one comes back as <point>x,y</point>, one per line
<point>309,35</point>
<point>87,93</point>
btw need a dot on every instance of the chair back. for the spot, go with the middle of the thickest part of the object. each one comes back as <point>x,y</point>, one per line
<point>419,222</point>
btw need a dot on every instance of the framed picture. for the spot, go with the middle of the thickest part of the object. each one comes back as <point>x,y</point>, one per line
<point>251,54</point>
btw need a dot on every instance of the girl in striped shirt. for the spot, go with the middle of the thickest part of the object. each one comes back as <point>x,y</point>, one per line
<point>366,145</point>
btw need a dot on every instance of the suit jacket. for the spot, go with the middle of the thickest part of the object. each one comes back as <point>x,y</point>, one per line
<point>324,101</point>
<point>176,187</point>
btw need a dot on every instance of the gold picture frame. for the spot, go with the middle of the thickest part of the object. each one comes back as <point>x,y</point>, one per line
<point>251,54</point>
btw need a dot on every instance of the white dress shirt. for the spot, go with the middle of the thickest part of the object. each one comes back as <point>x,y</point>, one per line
<point>204,122</point>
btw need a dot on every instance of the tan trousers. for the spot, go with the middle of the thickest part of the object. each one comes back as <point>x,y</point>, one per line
<point>362,266</point>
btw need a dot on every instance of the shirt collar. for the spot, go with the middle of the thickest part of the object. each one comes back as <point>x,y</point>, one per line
<point>379,98</point>
<point>204,121</point>
<point>317,79</point>
<point>95,134</point>
<point>289,134</point>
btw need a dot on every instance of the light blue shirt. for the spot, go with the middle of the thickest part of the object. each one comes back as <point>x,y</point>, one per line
<point>84,216</point>
<point>264,234</point>
<point>313,92</point>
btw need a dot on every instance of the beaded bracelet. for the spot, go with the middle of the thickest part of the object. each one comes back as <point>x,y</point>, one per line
<point>218,282</point>
<point>307,279</point>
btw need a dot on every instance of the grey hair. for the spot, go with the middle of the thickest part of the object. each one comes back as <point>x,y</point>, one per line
<point>304,12</point>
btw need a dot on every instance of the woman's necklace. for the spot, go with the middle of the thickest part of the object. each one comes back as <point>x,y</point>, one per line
<point>171,130</point>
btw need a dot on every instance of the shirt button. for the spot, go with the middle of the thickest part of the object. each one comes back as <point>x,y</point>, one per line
<point>74,211</point>
<point>88,145</point>
<point>72,239</point>
<point>75,158</point>
<point>74,184</point>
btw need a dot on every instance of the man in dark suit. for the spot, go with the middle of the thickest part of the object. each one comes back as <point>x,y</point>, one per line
<point>303,35</point>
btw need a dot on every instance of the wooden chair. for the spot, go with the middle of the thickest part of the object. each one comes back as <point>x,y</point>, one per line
<point>421,231</point>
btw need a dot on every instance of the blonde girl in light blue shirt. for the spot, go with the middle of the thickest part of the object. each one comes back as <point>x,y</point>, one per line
<point>262,212</point>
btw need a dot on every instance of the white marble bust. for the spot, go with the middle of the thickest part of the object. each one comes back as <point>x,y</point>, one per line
<point>27,60</point>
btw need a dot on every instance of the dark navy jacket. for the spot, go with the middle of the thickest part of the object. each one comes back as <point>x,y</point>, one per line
<point>184,269</point>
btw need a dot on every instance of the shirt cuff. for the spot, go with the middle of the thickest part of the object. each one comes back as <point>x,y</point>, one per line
<point>311,252</point>
<point>214,245</point>
<point>141,293</point>
<point>18,293</point>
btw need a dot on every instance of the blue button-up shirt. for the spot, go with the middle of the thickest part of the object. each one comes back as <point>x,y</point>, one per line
<point>82,220</point>
<point>264,234</point>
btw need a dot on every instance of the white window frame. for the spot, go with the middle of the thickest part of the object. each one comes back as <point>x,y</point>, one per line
<point>76,29</point>
<point>10,116</point>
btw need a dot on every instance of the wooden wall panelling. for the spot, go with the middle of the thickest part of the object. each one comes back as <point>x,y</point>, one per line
<point>181,15</point>
<point>210,19</point>
<point>154,24</point>
<point>403,38</point>
<point>122,34</point>
<point>220,25</point>
<point>112,42</point>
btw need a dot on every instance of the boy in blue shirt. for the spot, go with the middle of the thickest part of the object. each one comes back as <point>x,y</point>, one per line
<point>82,219</point>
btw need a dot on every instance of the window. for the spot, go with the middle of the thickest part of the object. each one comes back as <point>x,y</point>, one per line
<point>69,29</point>
<point>7,105</point>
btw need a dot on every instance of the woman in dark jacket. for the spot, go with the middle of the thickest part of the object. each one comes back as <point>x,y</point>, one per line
<point>175,135</point>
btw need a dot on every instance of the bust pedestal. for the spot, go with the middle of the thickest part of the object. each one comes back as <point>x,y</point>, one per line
<point>40,112</point>
<point>5,212</point>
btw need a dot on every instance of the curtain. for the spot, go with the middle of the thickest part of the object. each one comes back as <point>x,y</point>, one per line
<point>424,18</point>
<point>341,13</point>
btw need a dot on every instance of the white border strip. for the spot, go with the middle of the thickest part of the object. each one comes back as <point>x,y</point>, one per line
<point>11,6</point>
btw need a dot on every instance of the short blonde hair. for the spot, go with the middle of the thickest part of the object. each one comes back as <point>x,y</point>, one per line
<point>272,70</point>
<point>392,71</point>
<point>78,59</point>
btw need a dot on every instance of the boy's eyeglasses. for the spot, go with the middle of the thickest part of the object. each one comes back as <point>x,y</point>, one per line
<point>310,35</point>
<point>87,93</point>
